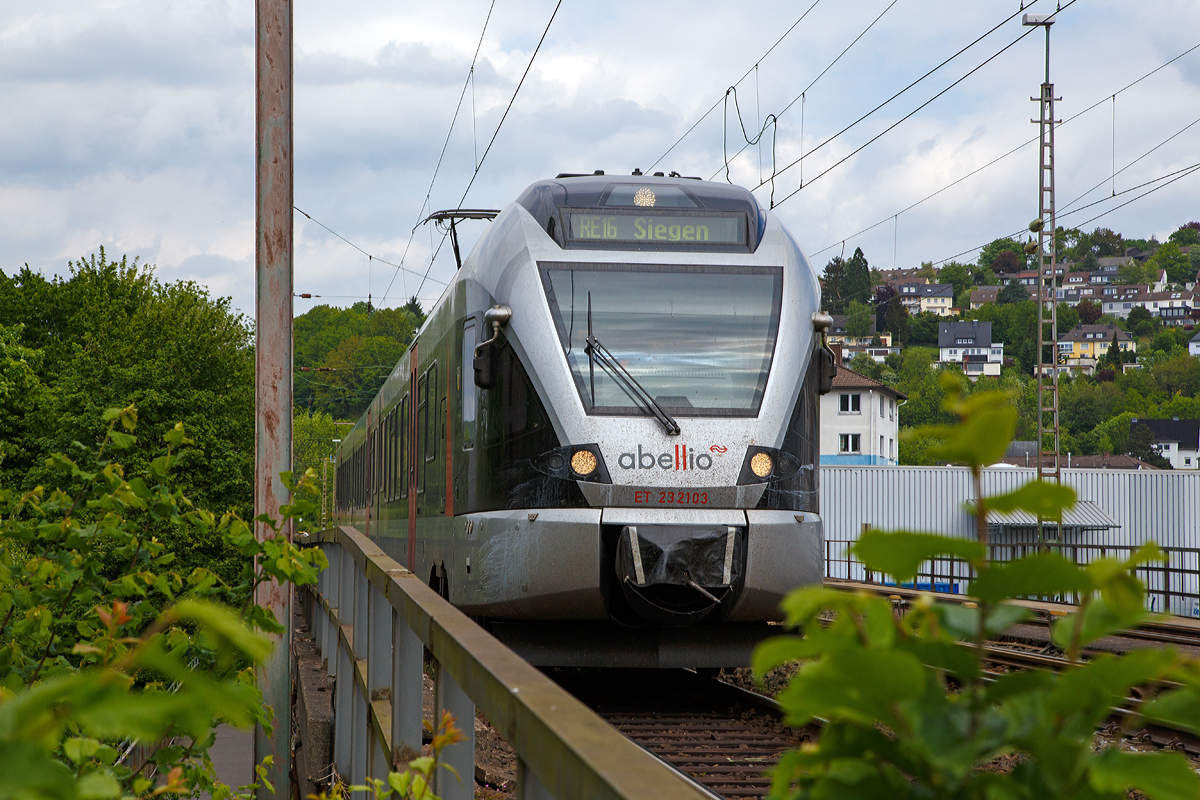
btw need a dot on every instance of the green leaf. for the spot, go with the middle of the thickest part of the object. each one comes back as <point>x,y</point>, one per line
<point>225,627</point>
<point>1041,498</point>
<point>1041,574</point>
<point>1179,708</point>
<point>98,786</point>
<point>775,651</point>
<point>1160,776</point>
<point>801,605</point>
<point>988,422</point>
<point>1018,683</point>
<point>122,441</point>
<point>80,749</point>
<point>900,554</point>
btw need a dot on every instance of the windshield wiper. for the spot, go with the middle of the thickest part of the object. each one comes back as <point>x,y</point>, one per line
<point>599,353</point>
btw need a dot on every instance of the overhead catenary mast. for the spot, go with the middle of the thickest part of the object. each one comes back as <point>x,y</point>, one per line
<point>1045,248</point>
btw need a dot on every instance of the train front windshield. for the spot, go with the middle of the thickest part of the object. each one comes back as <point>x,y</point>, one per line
<point>699,339</point>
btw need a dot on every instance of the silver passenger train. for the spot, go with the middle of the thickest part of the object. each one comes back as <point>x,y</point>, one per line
<point>602,443</point>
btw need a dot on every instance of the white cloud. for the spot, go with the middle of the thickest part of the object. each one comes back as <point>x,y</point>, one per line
<point>134,122</point>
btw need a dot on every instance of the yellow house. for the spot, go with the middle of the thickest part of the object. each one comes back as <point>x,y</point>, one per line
<point>1092,342</point>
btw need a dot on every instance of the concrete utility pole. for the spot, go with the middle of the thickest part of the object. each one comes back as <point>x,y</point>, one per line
<point>273,350</point>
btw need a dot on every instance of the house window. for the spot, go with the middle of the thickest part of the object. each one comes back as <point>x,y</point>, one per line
<point>849,442</point>
<point>892,449</point>
<point>881,406</point>
<point>881,447</point>
<point>1187,461</point>
<point>851,404</point>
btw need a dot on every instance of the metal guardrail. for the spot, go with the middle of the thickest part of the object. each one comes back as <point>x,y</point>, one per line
<point>372,620</point>
<point>1172,586</point>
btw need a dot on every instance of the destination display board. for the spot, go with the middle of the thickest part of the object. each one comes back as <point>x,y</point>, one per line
<point>658,228</point>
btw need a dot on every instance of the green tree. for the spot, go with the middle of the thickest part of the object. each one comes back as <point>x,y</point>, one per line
<point>991,251</point>
<point>359,367</point>
<point>924,329</point>
<point>1138,315</point>
<point>1068,317</point>
<point>833,286</point>
<point>858,319</point>
<point>313,436</point>
<point>1136,273</point>
<point>1170,258</point>
<point>885,296</point>
<point>1089,311</point>
<point>957,275</point>
<point>1141,445</point>
<point>110,335</point>
<point>858,278</point>
<point>1187,234</point>
<point>863,364</point>
<point>1013,292</point>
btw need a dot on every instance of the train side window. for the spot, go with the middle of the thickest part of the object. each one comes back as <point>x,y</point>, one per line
<point>422,429</point>
<point>402,450</point>
<point>431,438</point>
<point>467,388</point>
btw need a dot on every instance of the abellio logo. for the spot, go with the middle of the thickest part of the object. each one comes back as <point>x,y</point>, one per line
<point>684,458</point>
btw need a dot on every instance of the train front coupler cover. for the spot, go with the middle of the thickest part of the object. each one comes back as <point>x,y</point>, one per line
<point>680,574</point>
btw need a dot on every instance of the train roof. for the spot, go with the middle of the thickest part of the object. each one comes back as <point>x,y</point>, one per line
<point>544,199</point>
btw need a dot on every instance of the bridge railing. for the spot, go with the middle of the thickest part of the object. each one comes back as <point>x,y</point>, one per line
<point>372,620</point>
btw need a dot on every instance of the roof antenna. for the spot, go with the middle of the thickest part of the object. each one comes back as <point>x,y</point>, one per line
<point>637,171</point>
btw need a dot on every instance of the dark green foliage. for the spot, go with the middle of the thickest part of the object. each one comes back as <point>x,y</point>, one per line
<point>1170,258</point>
<point>858,278</point>
<point>1187,234</point>
<point>111,335</point>
<point>881,681</point>
<point>957,275</point>
<point>104,638</point>
<point>991,253</point>
<point>356,348</point>
<point>923,329</point>
<point>1068,317</point>
<point>1138,315</point>
<point>833,286</point>
<point>1141,445</point>
<point>858,319</point>
<point>1013,292</point>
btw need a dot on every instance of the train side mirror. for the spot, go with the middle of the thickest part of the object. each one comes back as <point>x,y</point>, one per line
<point>826,363</point>
<point>481,362</point>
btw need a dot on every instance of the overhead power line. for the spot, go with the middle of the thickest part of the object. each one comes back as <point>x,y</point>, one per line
<point>496,133</point>
<point>746,74</point>
<point>445,144</point>
<point>996,160</point>
<point>369,256</point>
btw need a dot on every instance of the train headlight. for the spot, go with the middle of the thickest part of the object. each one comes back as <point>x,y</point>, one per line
<point>765,464</point>
<point>583,462</point>
<point>761,464</point>
<point>576,462</point>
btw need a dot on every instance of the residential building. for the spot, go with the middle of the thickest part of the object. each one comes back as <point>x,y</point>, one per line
<point>970,344</point>
<point>1120,300</point>
<point>1177,440</point>
<point>1024,454</point>
<point>984,294</point>
<point>837,334</point>
<point>860,421</point>
<point>936,298</point>
<point>1084,345</point>
<point>1171,307</point>
<point>1194,346</point>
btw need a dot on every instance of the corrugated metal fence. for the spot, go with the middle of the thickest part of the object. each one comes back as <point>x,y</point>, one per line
<point>1163,507</point>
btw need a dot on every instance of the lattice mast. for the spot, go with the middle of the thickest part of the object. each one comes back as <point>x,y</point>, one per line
<point>1048,432</point>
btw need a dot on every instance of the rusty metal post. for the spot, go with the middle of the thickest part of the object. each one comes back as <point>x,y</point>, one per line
<point>273,348</point>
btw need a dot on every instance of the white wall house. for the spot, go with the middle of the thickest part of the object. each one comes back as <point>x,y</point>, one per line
<point>969,344</point>
<point>1177,440</point>
<point>860,421</point>
<point>1194,346</point>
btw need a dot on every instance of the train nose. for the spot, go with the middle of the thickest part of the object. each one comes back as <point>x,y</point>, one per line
<point>680,574</point>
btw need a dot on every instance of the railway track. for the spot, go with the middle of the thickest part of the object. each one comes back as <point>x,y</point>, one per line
<point>721,737</point>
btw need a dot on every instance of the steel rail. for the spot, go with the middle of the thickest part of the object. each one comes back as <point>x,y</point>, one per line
<point>564,750</point>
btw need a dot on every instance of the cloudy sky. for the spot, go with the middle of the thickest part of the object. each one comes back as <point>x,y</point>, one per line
<point>130,123</point>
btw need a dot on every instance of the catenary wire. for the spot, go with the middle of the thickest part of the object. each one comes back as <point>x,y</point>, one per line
<point>496,133</point>
<point>930,72</point>
<point>996,160</point>
<point>891,127</point>
<point>814,82</point>
<point>704,116</point>
<point>369,256</point>
<point>445,144</point>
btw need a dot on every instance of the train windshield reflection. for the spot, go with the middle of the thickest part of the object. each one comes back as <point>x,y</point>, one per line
<point>699,339</point>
